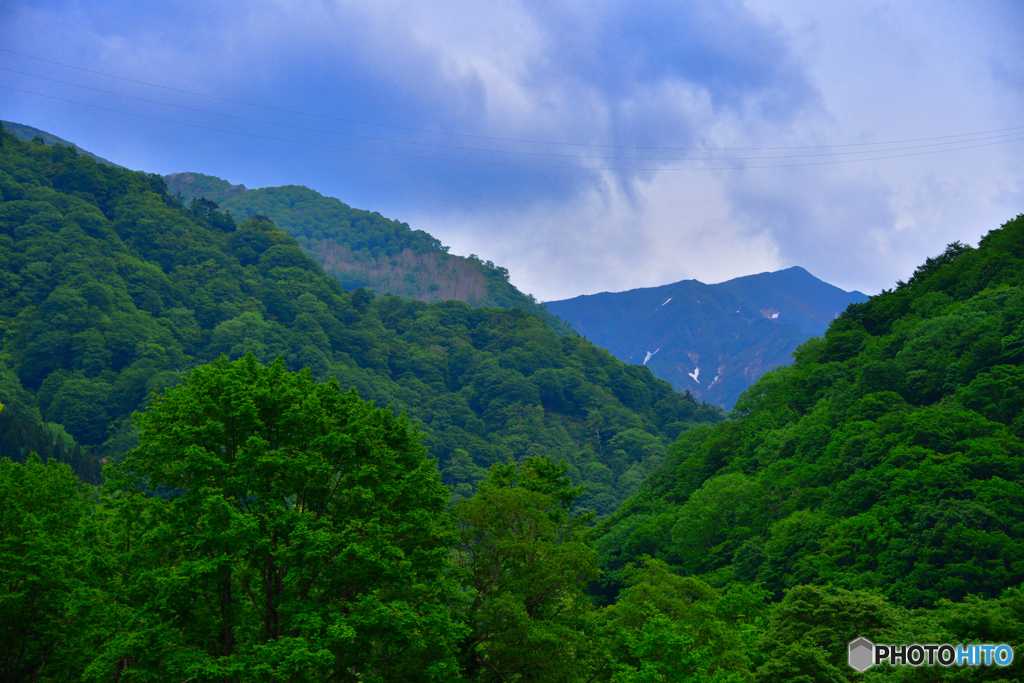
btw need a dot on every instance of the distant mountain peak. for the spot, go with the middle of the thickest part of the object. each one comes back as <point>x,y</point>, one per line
<point>712,340</point>
<point>363,248</point>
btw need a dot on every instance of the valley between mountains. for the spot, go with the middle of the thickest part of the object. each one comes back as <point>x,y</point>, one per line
<point>259,435</point>
<point>673,329</point>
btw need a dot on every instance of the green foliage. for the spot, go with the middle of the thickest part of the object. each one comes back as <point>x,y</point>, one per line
<point>112,288</point>
<point>23,431</point>
<point>524,560</point>
<point>29,134</point>
<point>667,627</point>
<point>267,527</point>
<point>808,632</point>
<point>364,249</point>
<point>887,458</point>
<point>189,186</point>
<point>310,217</point>
<point>52,569</point>
<point>300,536</point>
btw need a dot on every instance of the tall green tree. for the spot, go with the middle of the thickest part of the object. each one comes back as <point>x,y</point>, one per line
<point>666,628</point>
<point>299,534</point>
<point>52,606</point>
<point>524,560</point>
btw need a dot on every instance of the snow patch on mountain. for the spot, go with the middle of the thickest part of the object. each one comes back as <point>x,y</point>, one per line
<point>649,354</point>
<point>694,374</point>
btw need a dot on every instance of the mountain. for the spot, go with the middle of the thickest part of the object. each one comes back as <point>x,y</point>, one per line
<point>887,459</point>
<point>26,133</point>
<point>792,295</point>
<point>711,340</point>
<point>111,288</point>
<point>873,488</point>
<point>358,248</point>
<point>364,249</point>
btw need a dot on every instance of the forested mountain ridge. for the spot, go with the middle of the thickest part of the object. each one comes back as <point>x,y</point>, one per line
<point>872,489</point>
<point>111,287</point>
<point>711,340</point>
<point>304,534</point>
<point>363,249</point>
<point>26,133</point>
<point>887,458</point>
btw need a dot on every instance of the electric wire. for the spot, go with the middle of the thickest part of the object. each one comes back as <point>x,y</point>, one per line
<point>498,138</point>
<point>1017,131</point>
<point>507,163</point>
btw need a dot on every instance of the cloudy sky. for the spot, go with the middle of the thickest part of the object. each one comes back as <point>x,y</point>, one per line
<point>587,146</point>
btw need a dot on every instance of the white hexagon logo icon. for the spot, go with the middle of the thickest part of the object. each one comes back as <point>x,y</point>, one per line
<point>861,654</point>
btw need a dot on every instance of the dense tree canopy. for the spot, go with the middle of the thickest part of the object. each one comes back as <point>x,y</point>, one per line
<point>299,535</point>
<point>525,560</point>
<point>268,525</point>
<point>110,288</point>
<point>886,462</point>
<point>52,610</point>
<point>365,249</point>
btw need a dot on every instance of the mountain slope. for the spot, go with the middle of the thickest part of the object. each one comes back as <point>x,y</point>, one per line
<point>26,133</point>
<point>364,249</point>
<point>887,458</point>
<point>110,288</point>
<point>796,295</point>
<point>711,340</point>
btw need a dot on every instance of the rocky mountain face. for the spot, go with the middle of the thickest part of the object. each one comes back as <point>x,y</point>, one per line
<point>361,248</point>
<point>713,340</point>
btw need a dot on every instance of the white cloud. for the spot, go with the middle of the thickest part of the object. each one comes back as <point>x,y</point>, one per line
<point>765,73</point>
<point>667,228</point>
<point>883,72</point>
<point>895,71</point>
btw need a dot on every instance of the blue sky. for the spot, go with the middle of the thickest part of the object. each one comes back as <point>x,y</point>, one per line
<point>585,146</point>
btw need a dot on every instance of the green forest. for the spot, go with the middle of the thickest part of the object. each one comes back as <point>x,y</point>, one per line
<point>364,249</point>
<point>221,465</point>
<point>113,288</point>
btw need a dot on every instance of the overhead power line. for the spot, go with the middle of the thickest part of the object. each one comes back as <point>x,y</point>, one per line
<point>507,163</point>
<point>506,139</point>
<point>247,119</point>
